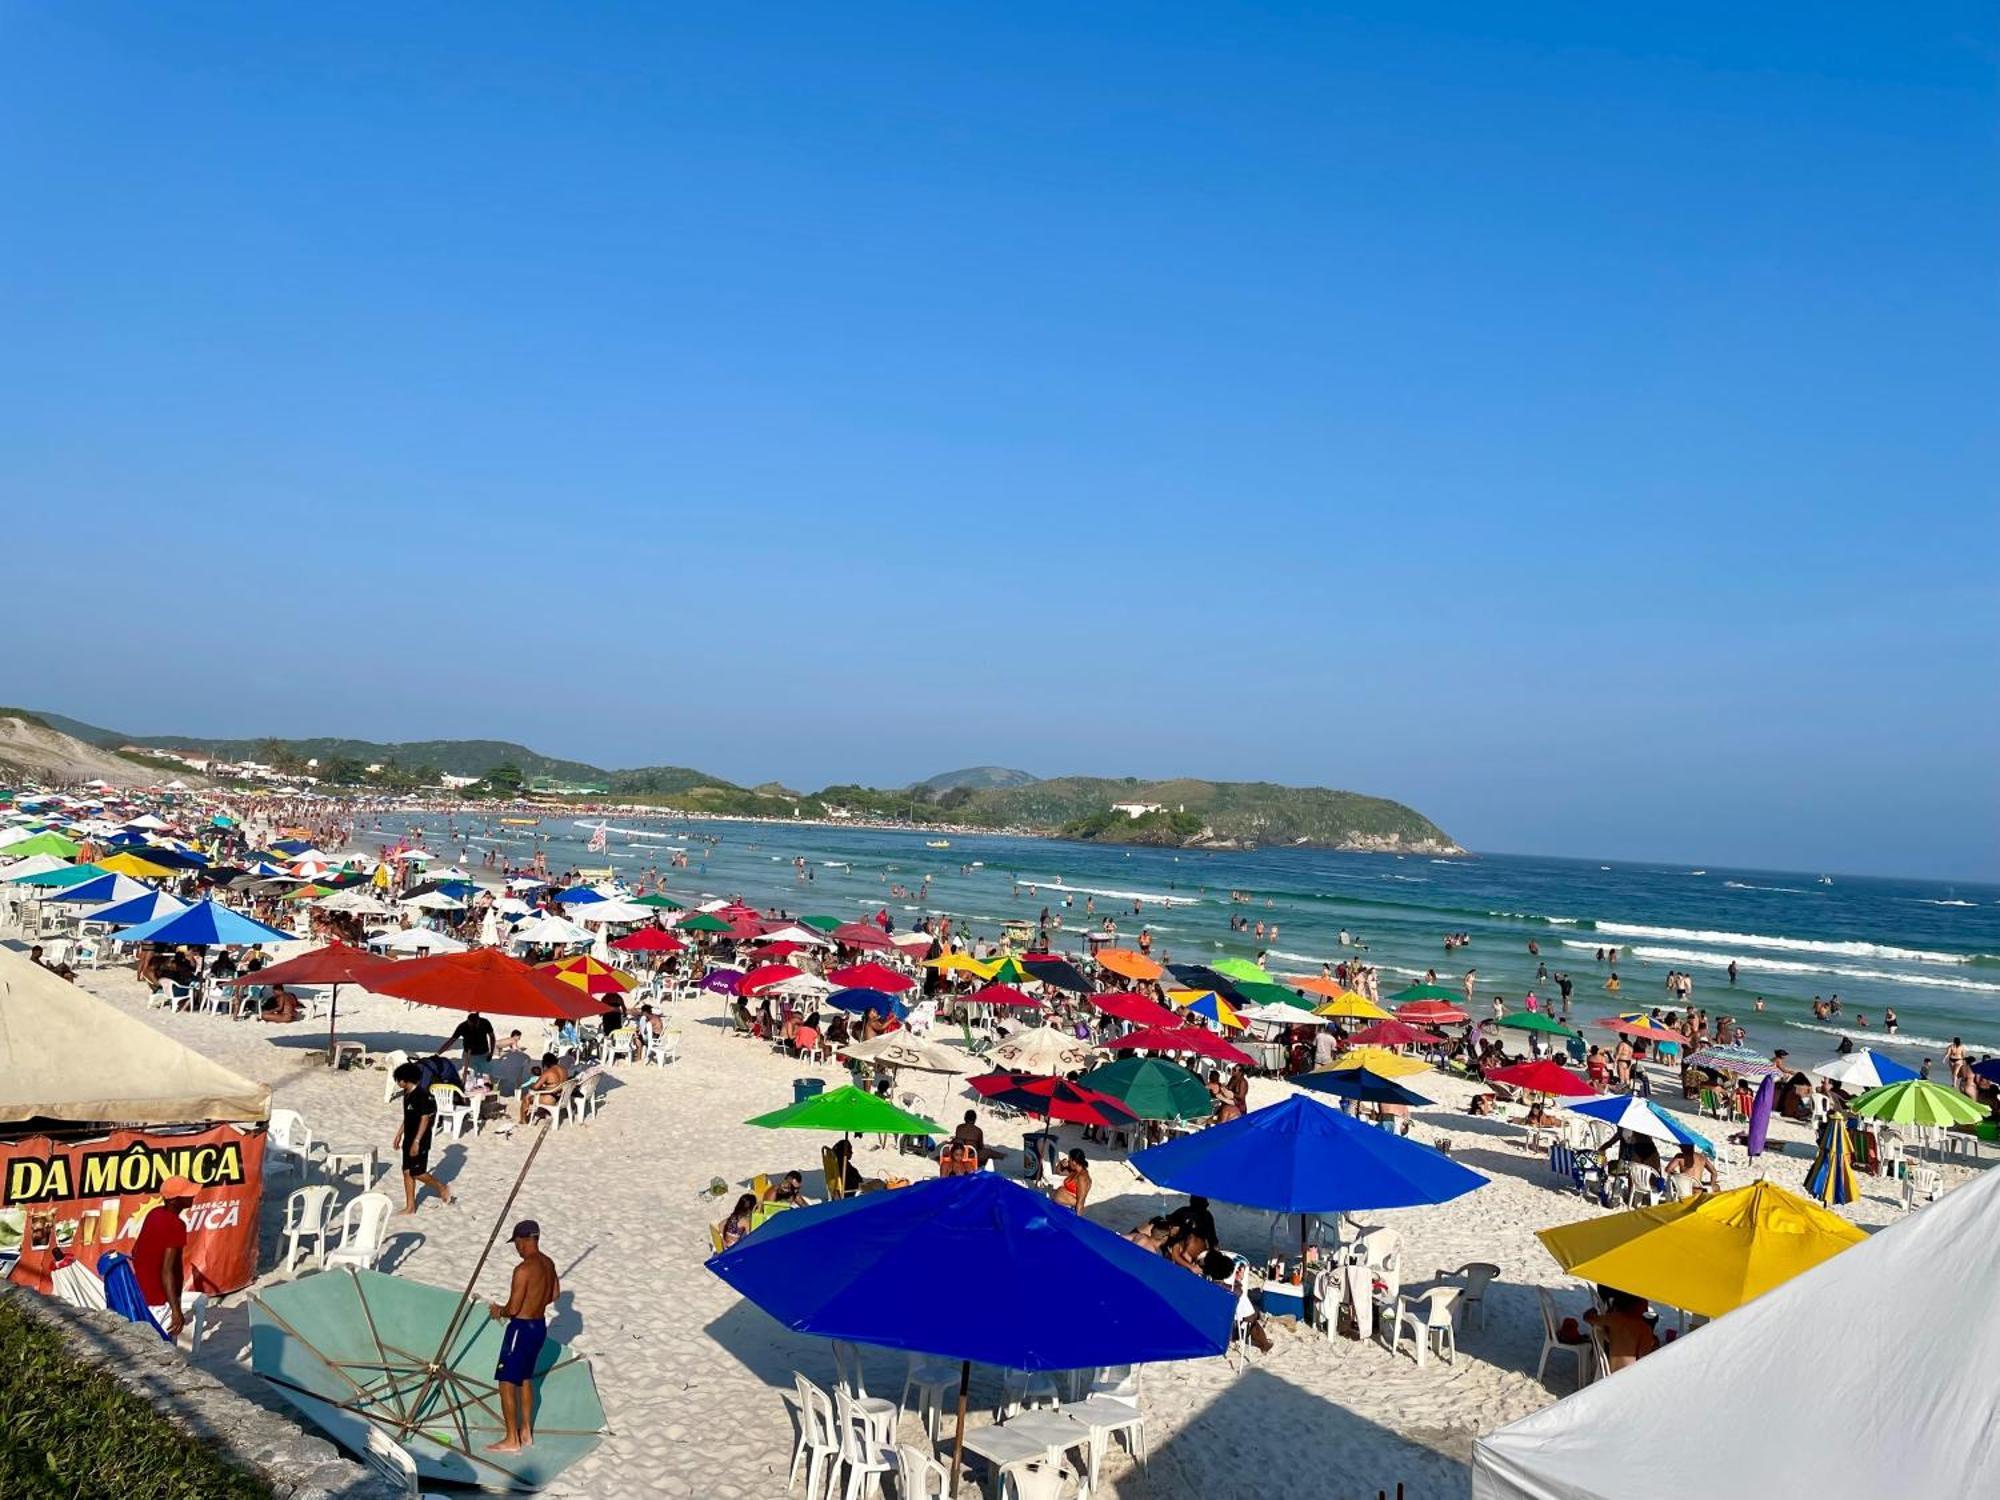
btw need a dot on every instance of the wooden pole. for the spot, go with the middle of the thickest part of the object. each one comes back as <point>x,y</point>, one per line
<point>958,1440</point>
<point>466,1299</point>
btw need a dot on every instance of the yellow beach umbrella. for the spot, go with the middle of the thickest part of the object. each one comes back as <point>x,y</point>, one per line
<point>1708,1254</point>
<point>1379,1060</point>
<point>134,866</point>
<point>955,963</point>
<point>1348,1006</point>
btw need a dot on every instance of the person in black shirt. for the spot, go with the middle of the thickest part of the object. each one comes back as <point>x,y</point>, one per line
<point>476,1034</point>
<point>413,1137</point>
<point>1192,1219</point>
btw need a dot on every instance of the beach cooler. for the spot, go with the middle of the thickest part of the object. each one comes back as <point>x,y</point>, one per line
<point>804,1088</point>
<point>1281,1299</point>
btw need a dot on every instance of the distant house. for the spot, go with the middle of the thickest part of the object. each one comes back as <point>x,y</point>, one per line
<point>550,786</point>
<point>1136,809</point>
<point>454,783</point>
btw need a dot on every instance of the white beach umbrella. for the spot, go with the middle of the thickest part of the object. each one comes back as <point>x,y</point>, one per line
<point>801,986</point>
<point>1042,1049</point>
<point>605,912</point>
<point>804,936</point>
<point>34,864</point>
<point>1280,1015</point>
<point>554,930</point>
<point>355,902</point>
<point>435,901</point>
<point>900,1049</point>
<point>525,883</point>
<point>450,872</point>
<point>512,906</point>
<point>417,940</point>
<point>911,939</point>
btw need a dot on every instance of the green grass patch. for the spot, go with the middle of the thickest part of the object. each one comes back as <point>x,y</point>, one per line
<point>69,1429</point>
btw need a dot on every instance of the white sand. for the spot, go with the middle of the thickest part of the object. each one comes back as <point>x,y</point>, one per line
<point>693,1378</point>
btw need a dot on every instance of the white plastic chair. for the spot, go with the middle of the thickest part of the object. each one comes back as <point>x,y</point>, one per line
<point>392,1461</point>
<point>557,1109</point>
<point>389,1062</point>
<point>819,1439</point>
<point>664,1048</point>
<point>288,1144</point>
<point>881,1413</point>
<point>1471,1280</point>
<point>586,1095</point>
<point>364,1225</point>
<point>455,1115</point>
<point>865,1452</point>
<point>1427,1321</point>
<point>1921,1182</point>
<point>180,996</point>
<point>1551,1344</point>
<point>618,1046</point>
<point>933,1380</point>
<point>308,1216</point>
<point>920,1477</point>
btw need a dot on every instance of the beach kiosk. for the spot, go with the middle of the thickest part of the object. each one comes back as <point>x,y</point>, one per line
<point>97,1109</point>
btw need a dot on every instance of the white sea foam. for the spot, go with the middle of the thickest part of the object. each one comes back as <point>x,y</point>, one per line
<point>1151,898</point>
<point>1932,901</point>
<point>1789,890</point>
<point>1883,1039</point>
<point>1782,944</point>
<point>1301,958</point>
<point>1758,965</point>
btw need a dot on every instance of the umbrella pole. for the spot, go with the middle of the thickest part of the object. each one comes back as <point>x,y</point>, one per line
<point>332,1025</point>
<point>958,1439</point>
<point>466,1299</point>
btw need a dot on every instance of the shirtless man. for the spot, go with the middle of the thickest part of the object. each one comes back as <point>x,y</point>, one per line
<point>526,1311</point>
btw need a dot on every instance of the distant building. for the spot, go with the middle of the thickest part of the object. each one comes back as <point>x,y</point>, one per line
<point>1136,809</point>
<point>453,783</point>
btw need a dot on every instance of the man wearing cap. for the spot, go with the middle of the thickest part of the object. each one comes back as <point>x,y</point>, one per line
<point>526,1311</point>
<point>159,1255</point>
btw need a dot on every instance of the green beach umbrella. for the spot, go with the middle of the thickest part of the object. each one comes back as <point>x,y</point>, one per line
<point>1426,992</point>
<point>1535,1020</point>
<point>1260,993</point>
<point>1008,969</point>
<point>658,902</point>
<point>67,876</point>
<point>42,843</point>
<point>1152,1088</point>
<point>850,1110</point>
<point>1917,1101</point>
<point>820,923</point>
<point>702,921</point>
<point>1243,969</point>
<point>307,893</point>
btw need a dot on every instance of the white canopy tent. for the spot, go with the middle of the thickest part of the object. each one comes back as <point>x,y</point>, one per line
<point>1870,1375</point>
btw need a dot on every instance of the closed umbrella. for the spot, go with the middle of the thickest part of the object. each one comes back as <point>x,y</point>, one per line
<point>1831,1176</point>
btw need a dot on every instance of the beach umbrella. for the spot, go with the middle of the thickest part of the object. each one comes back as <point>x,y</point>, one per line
<point>1351,1007</point>
<point>1535,1020</point>
<point>1542,1077</point>
<point>661,902</point>
<point>580,895</point>
<point>314,893</point>
<point>103,889</point>
<point>1641,1028</point>
<point>1707,1254</point>
<point>1212,1007</point>
<point>1394,1033</point>
<point>956,963</point>
<point>1318,984</point>
<point>702,921</point>
<point>1830,1178</point>
<point>1006,969</point>
<point>1003,994</point>
<point>818,1271</point>
<point>1300,1156</point>
<point>1281,1015</point>
<point>52,844</point>
<point>163,861</point>
<point>720,980</point>
<point>821,923</point>
<point>648,940</point>
<point>858,1001</point>
<point>1641,1117</point>
<point>422,942</point>
<point>861,935</point>
<point>1127,964</point>
<point>1738,1060</point>
<point>356,1349</point>
<point>205,924</point>
<point>1124,1005</point>
<point>1241,968</point>
<point>1052,1098</point>
<point>592,976</point>
<point>1254,992</point>
<point>1201,977</point>
<point>903,1049</point>
<point>551,931</point>
<point>872,976</point>
<point>334,965</point>
<point>1430,1013</point>
<point>1918,1101</point>
<point>1362,1084</point>
<point>139,909</point>
<point>764,976</point>
<point>20,871</point>
<point>1378,1060</point>
<point>848,1110</point>
<point>1152,1088</point>
<point>795,935</point>
<point>610,912</point>
<point>1051,969</point>
<point>1421,992</point>
<point>485,979</point>
<point>1041,1049</point>
<point>61,877</point>
<point>1857,1072</point>
<point>1195,1039</point>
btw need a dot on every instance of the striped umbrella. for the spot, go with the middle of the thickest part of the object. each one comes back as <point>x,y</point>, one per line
<point>1831,1176</point>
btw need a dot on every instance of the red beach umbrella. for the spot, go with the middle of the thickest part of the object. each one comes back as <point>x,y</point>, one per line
<point>1053,1098</point>
<point>336,963</point>
<point>871,976</point>
<point>485,979</point>
<point>1002,994</point>
<point>1542,1077</point>
<point>649,940</point>
<point>1125,1005</point>
<point>1393,1034</point>
<point>861,935</point>
<point>764,976</point>
<point>1431,1013</point>
<point>1183,1039</point>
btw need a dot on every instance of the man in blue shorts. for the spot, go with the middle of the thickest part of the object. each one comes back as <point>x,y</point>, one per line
<point>526,1311</point>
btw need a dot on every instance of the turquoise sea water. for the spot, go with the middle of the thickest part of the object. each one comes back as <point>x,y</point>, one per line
<point>1929,951</point>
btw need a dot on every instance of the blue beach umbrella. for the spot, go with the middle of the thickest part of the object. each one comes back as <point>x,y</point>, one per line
<point>819,1271</point>
<point>1642,1116</point>
<point>1363,1084</point>
<point>1831,1176</point>
<point>125,838</point>
<point>1858,1072</point>
<point>1303,1157</point>
<point>205,924</point>
<point>581,895</point>
<point>858,1001</point>
<point>147,908</point>
<point>101,888</point>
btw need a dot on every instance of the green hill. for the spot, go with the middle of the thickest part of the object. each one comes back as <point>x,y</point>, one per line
<point>975,778</point>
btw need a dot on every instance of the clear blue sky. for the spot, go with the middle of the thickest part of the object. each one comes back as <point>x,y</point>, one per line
<point>1578,421</point>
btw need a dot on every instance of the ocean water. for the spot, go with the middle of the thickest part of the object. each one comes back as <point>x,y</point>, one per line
<point>1929,951</point>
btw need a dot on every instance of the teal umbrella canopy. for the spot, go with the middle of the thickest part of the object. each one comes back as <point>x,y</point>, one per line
<point>353,1349</point>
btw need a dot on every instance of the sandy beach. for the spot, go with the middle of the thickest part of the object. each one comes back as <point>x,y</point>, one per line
<point>694,1380</point>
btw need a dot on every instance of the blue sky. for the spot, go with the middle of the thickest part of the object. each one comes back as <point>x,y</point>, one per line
<point>1577,421</point>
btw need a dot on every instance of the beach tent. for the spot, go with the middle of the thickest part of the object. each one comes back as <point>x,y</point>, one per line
<point>1885,1337</point>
